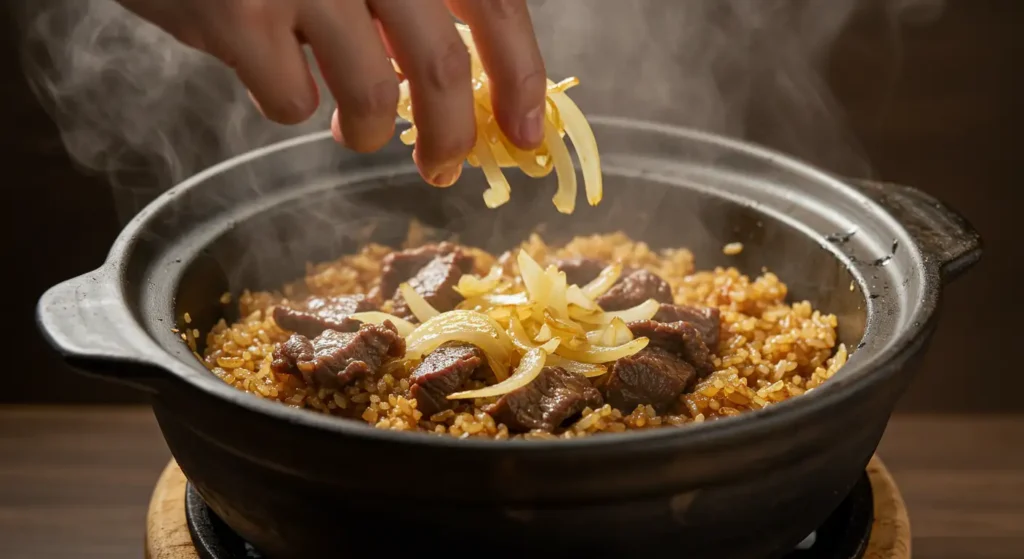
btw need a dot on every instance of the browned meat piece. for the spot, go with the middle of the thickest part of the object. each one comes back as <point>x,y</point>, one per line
<point>633,289</point>
<point>580,271</point>
<point>402,265</point>
<point>707,320</point>
<point>555,396</point>
<point>317,314</point>
<point>678,338</point>
<point>436,282</point>
<point>441,373</point>
<point>334,359</point>
<point>652,376</point>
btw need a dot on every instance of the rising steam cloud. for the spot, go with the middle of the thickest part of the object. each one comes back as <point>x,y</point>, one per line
<point>134,104</point>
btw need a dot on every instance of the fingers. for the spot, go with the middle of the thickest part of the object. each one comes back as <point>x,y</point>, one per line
<point>278,78</point>
<point>435,61</point>
<point>504,37</point>
<point>256,39</point>
<point>355,67</point>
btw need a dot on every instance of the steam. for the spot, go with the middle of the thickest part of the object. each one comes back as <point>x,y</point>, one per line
<point>133,103</point>
<point>148,112</point>
<point>753,69</point>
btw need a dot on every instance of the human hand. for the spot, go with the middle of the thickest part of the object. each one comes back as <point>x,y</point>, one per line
<point>352,40</point>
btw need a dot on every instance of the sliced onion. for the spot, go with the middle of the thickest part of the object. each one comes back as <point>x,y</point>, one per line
<point>492,300</point>
<point>589,370</point>
<point>493,150</point>
<point>474,286</point>
<point>603,354</point>
<point>569,327</point>
<point>537,283</point>
<point>419,306</point>
<point>501,314</point>
<point>499,191</point>
<point>603,282</point>
<point>614,334</point>
<point>643,311</point>
<point>582,136</point>
<point>557,296</point>
<point>544,334</point>
<point>575,296</point>
<point>464,326</point>
<point>584,316</point>
<point>529,367</point>
<point>403,326</point>
<point>519,336</point>
<point>565,196</point>
<point>509,155</point>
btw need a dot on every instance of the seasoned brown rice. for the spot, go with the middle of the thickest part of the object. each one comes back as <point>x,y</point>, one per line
<point>769,350</point>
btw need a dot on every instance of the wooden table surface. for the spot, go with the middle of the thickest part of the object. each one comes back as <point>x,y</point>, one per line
<point>75,482</point>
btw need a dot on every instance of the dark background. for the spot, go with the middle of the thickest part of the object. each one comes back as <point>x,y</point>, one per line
<point>948,125</point>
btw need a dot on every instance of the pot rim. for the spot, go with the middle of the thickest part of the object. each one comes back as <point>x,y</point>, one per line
<point>857,375</point>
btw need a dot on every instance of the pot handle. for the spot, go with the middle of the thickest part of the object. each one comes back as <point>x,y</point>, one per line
<point>942,234</point>
<point>86,321</point>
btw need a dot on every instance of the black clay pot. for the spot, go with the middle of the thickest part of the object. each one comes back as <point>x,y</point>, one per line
<point>300,484</point>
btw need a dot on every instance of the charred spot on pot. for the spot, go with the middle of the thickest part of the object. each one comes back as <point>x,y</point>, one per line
<point>840,238</point>
<point>874,296</point>
<point>882,261</point>
<point>895,246</point>
<point>862,344</point>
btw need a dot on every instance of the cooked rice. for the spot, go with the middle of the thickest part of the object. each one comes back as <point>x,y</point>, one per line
<point>769,350</point>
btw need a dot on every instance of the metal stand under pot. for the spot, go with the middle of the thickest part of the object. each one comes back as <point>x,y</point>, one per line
<point>870,523</point>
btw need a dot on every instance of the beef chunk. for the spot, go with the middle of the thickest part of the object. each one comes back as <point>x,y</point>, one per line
<point>441,373</point>
<point>633,289</point>
<point>555,396</point>
<point>436,282</point>
<point>678,338</point>
<point>705,319</point>
<point>580,271</point>
<point>652,376</point>
<point>401,266</point>
<point>317,314</point>
<point>334,359</point>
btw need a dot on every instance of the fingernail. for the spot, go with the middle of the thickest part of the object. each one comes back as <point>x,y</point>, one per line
<point>336,129</point>
<point>531,128</point>
<point>256,103</point>
<point>447,177</point>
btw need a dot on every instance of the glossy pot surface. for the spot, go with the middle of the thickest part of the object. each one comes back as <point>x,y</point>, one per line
<point>301,484</point>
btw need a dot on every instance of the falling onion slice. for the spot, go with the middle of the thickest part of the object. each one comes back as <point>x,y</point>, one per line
<point>579,131</point>
<point>493,150</point>
<point>403,326</point>
<point>529,367</point>
<point>565,196</point>
<point>419,306</point>
<point>499,190</point>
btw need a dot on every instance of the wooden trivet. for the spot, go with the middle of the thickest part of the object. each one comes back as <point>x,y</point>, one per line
<point>167,535</point>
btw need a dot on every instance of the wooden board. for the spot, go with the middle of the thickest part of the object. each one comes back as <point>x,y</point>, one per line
<point>167,535</point>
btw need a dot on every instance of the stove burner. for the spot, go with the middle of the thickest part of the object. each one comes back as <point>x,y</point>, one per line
<point>844,535</point>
